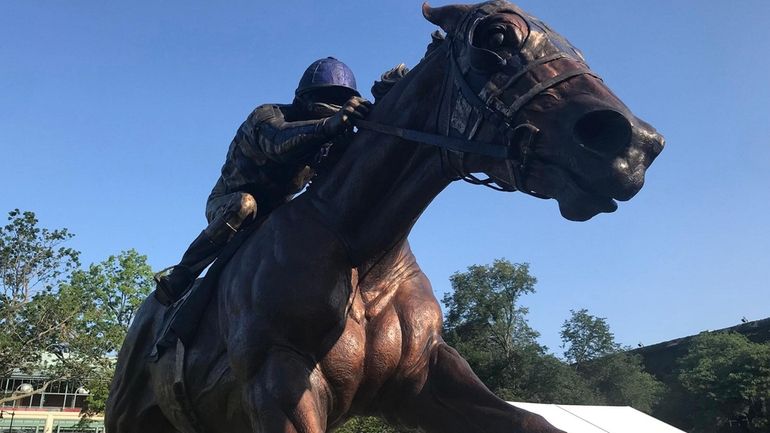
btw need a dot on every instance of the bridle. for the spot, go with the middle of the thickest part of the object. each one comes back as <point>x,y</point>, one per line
<point>463,111</point>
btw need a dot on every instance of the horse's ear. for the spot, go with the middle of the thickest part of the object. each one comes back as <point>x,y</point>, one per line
<point>447,17</point>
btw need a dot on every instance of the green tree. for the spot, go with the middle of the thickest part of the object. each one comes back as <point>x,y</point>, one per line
<point>487,325</point>
<point>550,380</point>
<point>728,378</point>
<point>57,320</point>
<point>31,258</point>
<point>620,379</point>
<point>616,377</point>
<point>586,337</point>
<point>32,262</point>
<point>114,289</point>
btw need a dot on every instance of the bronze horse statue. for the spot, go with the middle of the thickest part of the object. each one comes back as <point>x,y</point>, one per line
<point>323,312</point>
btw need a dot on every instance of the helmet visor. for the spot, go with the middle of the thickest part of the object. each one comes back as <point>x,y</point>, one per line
<point>332,95</point>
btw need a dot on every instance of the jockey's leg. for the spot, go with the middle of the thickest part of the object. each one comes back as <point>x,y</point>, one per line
<point>287,395</point>
<point>452,399</point>
<point>173,282</point>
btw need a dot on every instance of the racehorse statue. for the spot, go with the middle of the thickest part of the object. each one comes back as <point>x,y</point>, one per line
<point>323,312</point>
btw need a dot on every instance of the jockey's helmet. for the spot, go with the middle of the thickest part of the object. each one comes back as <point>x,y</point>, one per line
<point>328,75</point>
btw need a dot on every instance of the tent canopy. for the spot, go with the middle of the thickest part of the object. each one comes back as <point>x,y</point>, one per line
<point>598,419</point>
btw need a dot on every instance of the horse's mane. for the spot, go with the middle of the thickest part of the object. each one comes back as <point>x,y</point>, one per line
<point>389,78</point>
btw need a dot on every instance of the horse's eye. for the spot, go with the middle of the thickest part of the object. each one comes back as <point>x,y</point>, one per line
<point>496,39</point>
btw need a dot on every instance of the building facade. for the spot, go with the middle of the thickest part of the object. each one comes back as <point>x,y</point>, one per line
<point>56,410</point>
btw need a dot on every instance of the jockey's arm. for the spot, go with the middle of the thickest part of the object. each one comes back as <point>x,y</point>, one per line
<point>284,141</point>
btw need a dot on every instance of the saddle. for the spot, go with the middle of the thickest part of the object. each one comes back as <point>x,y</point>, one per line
<point>180,321</point>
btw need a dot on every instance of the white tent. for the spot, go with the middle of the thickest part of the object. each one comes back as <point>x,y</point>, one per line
<point>598,419</point>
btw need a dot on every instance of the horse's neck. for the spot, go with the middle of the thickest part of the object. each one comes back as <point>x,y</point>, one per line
<point>382,184</point>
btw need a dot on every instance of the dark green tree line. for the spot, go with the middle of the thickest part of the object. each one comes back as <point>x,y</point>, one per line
<point>726,378</point>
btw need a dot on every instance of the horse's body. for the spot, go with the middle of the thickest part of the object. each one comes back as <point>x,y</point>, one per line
<point>377,365</point>
<point>323,313</point>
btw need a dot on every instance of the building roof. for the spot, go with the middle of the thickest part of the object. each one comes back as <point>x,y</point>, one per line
<point>598,419</point>
<point>660,359</point>
<point>757,331</point>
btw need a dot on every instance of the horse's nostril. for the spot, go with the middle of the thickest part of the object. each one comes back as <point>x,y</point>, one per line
<point>603,131</point>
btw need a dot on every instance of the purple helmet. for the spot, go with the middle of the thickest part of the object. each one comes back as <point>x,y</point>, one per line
<point>328,72</point>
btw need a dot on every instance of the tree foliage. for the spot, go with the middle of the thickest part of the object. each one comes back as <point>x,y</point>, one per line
<point>619,379</point>
<point>728,378</point>
<point>60,321</point>
<point>487,324</point>
<point>115,289</point>
<point>586,337</point>
<point>615,376</point>
<point>484,302</point>
<point>32,263</point>
<point>367,424</point>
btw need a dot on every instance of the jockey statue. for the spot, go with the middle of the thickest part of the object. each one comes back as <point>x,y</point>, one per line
<point>268,162</point>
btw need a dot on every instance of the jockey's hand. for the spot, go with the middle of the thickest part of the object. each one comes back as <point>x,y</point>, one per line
<point>355,108</point>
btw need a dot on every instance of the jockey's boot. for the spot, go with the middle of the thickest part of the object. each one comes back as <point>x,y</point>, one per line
<point>173,282</point>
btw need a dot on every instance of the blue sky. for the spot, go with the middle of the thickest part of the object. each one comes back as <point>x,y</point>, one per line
<point>115,118</point>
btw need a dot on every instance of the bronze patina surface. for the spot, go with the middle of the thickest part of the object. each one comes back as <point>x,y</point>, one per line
<point>324,313</point>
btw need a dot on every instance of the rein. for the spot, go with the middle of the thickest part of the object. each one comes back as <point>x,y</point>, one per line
<point>445,142</point>
<point>517,150</point>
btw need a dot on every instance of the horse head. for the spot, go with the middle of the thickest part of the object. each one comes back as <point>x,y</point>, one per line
<point>535,117</point>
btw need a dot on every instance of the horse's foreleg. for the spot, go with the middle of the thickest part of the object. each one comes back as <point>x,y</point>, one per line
<point>287,396</point>
<point>454,400</point>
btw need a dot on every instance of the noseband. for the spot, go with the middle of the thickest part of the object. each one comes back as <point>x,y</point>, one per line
<point>460,103</point>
